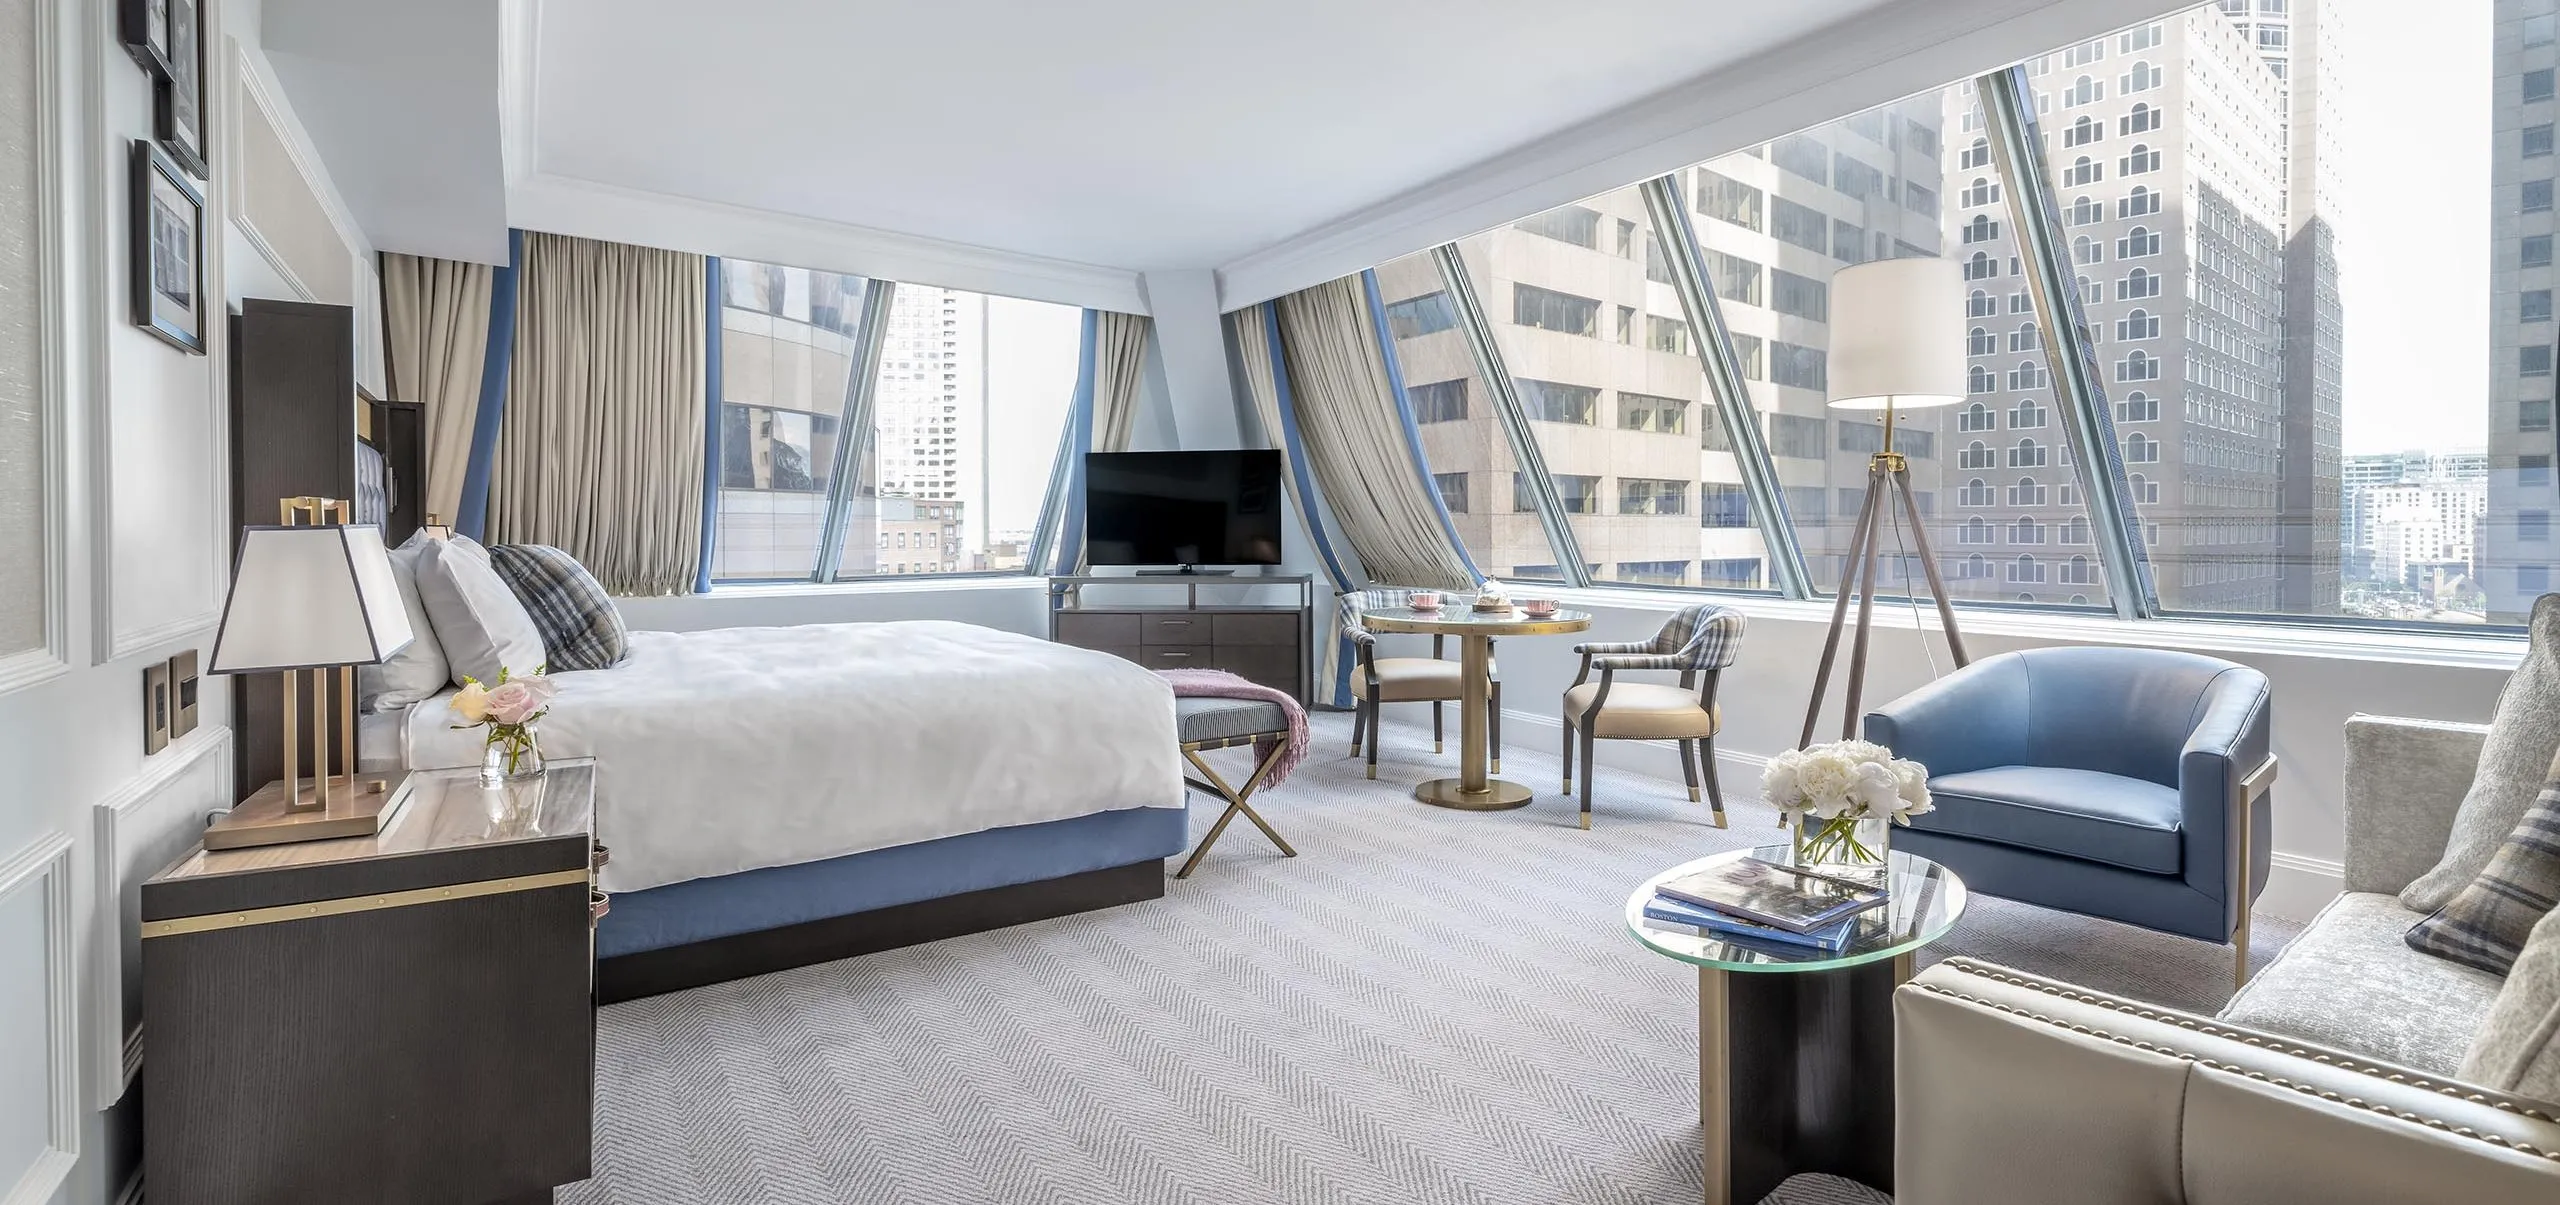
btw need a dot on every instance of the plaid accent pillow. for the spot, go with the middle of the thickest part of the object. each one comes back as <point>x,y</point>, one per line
<point>2486,923</point>
<point>580,626</point>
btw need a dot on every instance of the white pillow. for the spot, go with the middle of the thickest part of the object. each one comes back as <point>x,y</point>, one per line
<point>417,672</point>
<point>477,619</point>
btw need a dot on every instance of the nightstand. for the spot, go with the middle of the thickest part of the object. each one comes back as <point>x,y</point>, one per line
<point>401,1019</point>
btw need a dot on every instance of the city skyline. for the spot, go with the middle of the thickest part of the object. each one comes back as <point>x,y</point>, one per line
<point>2167,148</point>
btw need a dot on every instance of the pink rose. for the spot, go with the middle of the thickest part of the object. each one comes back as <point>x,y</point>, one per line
<point>519,700</point>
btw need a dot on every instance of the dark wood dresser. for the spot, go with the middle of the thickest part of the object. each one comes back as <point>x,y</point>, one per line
<point>1266,643</point>
<point>404,1019</point>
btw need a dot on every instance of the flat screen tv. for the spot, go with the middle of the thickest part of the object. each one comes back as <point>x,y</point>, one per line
<point>1183,509</point>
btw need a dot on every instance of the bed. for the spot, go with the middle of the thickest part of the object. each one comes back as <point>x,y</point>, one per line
<point>778,796</point>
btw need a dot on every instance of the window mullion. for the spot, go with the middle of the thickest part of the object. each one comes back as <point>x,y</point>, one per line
<point>1515,423</point>
<point>1713,343</point>
<point>853,431</point>
<point>2070,350</point>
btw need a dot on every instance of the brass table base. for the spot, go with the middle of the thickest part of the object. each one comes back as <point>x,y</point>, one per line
<point>1497,795</point>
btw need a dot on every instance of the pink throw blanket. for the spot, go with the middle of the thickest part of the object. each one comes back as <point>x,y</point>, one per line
<point>1219,684</point>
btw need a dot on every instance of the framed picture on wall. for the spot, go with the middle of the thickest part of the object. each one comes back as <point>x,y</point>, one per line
<point>143,25</point>
<point>166,249</point>
<point>177,115</point>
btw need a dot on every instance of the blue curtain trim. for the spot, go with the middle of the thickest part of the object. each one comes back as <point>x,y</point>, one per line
<point>494,360</point>
<point>1071,520</point>
<point>710,420</point>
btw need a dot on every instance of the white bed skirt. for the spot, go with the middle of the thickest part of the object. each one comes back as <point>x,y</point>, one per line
<point>740,748</point>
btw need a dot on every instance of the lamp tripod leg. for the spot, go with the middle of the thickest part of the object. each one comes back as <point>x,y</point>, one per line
<point>1929,565</point>
<point>1839,615</point>
<point>1865,571</point>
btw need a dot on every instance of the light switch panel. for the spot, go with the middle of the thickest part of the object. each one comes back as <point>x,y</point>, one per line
<point>155,707</point>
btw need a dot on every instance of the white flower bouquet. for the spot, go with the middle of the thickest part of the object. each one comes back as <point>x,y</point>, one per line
<point>1826,791</point>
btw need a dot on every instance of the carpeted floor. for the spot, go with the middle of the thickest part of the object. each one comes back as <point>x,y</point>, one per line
<point>1424,1006</point>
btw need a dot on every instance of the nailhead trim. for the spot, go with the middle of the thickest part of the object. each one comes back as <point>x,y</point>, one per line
<point>2461,1092</point>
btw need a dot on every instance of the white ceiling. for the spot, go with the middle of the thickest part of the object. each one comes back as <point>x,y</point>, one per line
<point>1136,134</point>
<point>401,100</point>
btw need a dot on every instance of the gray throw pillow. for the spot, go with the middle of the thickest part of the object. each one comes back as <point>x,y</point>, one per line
<point>2486,924</point>
<point>482,626</point>
<point>2523,736</point>
<point>581,628</point>
<point>2517,1048</point>
<point>417,672</point>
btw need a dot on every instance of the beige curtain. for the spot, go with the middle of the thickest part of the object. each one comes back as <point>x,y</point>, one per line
<point>601,450</point>
<point>1119,364</point>
<point>1262,389</point>
<point>436,334</point>
<point>1355,443</point>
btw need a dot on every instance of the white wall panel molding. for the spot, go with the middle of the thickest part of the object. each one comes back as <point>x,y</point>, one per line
<point>143,826</point>
<point>281,199</point>
<point>156,453</point>
<point>46,544</point>
<point>1834,72</point>
<point>39,1050</point>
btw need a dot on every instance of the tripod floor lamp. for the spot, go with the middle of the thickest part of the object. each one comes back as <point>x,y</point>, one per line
<point>1897,345</point>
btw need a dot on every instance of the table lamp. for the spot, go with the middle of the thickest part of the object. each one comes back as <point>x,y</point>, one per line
<point>1897,344</point>
<point>310,600</point>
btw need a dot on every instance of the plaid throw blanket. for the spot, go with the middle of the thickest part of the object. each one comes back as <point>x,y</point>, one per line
<point>1219,684</point>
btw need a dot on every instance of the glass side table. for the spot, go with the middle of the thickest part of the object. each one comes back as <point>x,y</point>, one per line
<point>1802,1039</point>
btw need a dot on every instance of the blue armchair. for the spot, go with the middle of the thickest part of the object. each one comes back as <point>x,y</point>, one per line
<point>2103,781</point>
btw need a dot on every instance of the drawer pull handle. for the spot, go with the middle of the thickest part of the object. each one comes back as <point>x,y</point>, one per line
<point>598,904</point>
<point>1175,623</point>
<point>602,856</point>
<point>1185,656</point>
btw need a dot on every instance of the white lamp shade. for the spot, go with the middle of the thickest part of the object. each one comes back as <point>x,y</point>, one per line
<point>310,596</point>
<point>1897,335</point>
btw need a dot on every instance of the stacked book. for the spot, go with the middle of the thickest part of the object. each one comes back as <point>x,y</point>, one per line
<point>1763,902</point>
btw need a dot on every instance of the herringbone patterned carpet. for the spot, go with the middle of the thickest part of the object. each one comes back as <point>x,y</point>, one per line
<point>1425,1006</point>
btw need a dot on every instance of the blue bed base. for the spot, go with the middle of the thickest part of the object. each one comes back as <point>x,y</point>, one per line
<point>681,914</point>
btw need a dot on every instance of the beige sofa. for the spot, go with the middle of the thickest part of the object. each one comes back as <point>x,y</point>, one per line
<point>2330,1078</point>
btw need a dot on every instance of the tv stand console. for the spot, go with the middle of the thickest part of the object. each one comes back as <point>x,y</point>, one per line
<point>1266,642</point>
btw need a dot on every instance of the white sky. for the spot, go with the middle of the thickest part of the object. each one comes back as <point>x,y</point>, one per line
<point>2413,237</point>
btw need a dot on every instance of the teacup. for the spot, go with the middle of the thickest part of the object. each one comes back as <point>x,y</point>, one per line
<point>1538,607</point>
<point>1423,600</point>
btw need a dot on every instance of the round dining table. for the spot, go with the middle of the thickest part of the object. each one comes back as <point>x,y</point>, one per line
<point>1474,789</point>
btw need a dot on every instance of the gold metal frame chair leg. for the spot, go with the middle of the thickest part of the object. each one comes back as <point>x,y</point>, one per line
<point>2251,787</point>
<point>1237,801</point>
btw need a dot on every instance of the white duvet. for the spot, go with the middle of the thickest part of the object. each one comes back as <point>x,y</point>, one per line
<point>740,748</point>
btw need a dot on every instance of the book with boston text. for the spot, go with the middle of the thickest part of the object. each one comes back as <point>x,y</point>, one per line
<point>1767,893</point>
<point>1830,939</point>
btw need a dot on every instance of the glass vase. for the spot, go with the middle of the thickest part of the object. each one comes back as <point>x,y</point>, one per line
<point>1856,846</point>
<point>513,754</point>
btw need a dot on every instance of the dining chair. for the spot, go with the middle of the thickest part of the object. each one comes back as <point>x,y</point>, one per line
<point>1698,643</point>
<point>1432,679</point>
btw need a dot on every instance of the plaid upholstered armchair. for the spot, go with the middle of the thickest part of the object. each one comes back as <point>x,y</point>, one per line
<point>1431,679</point>
<point>1696,644</point>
